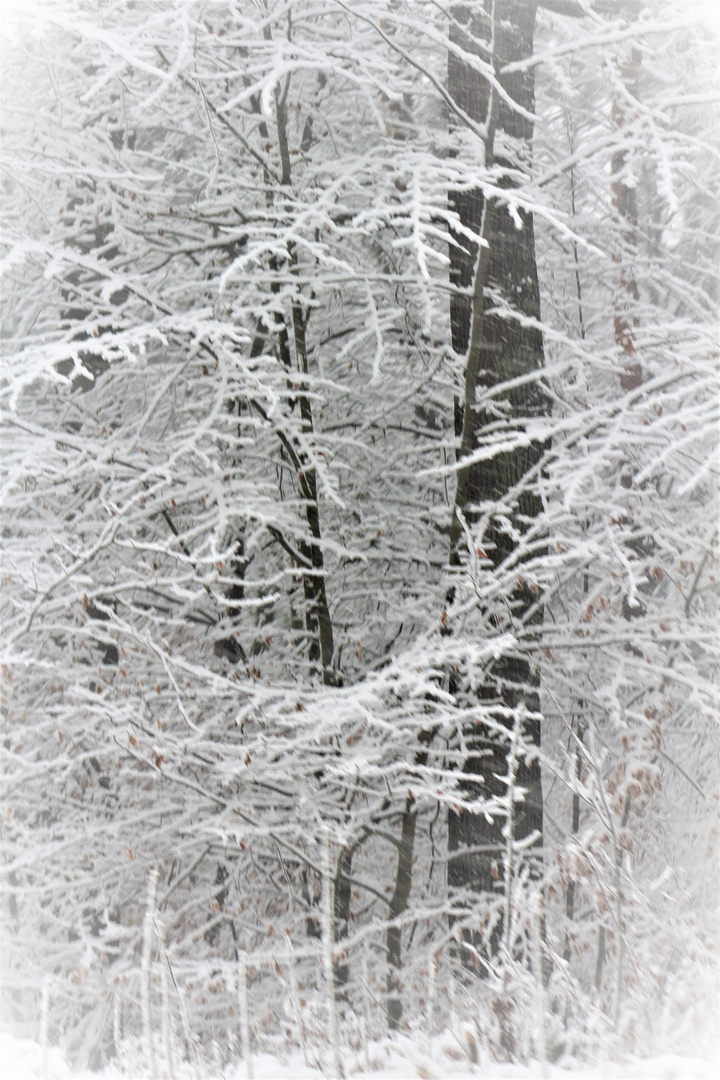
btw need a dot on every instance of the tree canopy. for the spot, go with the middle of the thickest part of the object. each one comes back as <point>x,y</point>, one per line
<point>360,486</point>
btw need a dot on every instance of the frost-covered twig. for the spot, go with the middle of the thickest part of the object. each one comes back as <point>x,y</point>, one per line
<point>117,1022</point>
<point>146,970</point>
<point>167,1021</point>
<point>536,916</point>
<point>328,955</point>
<point>365,1022</point>
<point>510,834</point>
<point>44,1012</point>
<point>432,985</point>
<point>190,1039</point>
<point>295,997</point>
<point>244,1013</point>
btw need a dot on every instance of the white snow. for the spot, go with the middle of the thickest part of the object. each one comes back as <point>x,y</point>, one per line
<point>22,1059</point>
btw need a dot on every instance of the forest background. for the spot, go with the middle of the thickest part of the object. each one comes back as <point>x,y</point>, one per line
<point>359,523</point>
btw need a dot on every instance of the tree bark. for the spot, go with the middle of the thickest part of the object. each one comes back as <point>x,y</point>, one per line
<point>497,349</point>
<point>342,899</point>
<point>398,904</point>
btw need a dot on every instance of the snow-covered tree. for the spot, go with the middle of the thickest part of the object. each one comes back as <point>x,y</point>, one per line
<point>359,420</point>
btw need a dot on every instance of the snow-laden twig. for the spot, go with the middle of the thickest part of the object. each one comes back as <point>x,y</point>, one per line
<point>329,955</point>
<point>117,1022</point>
<point>295,997</point>
<point>44,1013</point>
<point>541,1007</point>
<point>167,1021</point>
<point>190,1039</point>
<point>365,1020</point>
<point>146,969</point>
<point>509,830</point>
<point>244,1008</point>
<point>431,991</point>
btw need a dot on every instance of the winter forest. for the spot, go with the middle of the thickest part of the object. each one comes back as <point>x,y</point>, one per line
<point>359,422</point>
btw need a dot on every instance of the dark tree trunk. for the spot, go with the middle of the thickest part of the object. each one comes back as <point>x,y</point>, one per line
<point>497,348</point>
<point>398,904</point>
<point>342,897</point>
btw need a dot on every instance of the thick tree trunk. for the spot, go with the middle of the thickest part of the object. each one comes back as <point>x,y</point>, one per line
<point>498,348</point>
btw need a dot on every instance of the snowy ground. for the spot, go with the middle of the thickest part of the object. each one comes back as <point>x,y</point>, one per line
<point>23,1060</point>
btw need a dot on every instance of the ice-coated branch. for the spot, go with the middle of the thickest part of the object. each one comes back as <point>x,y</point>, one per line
<point>146,968</point>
